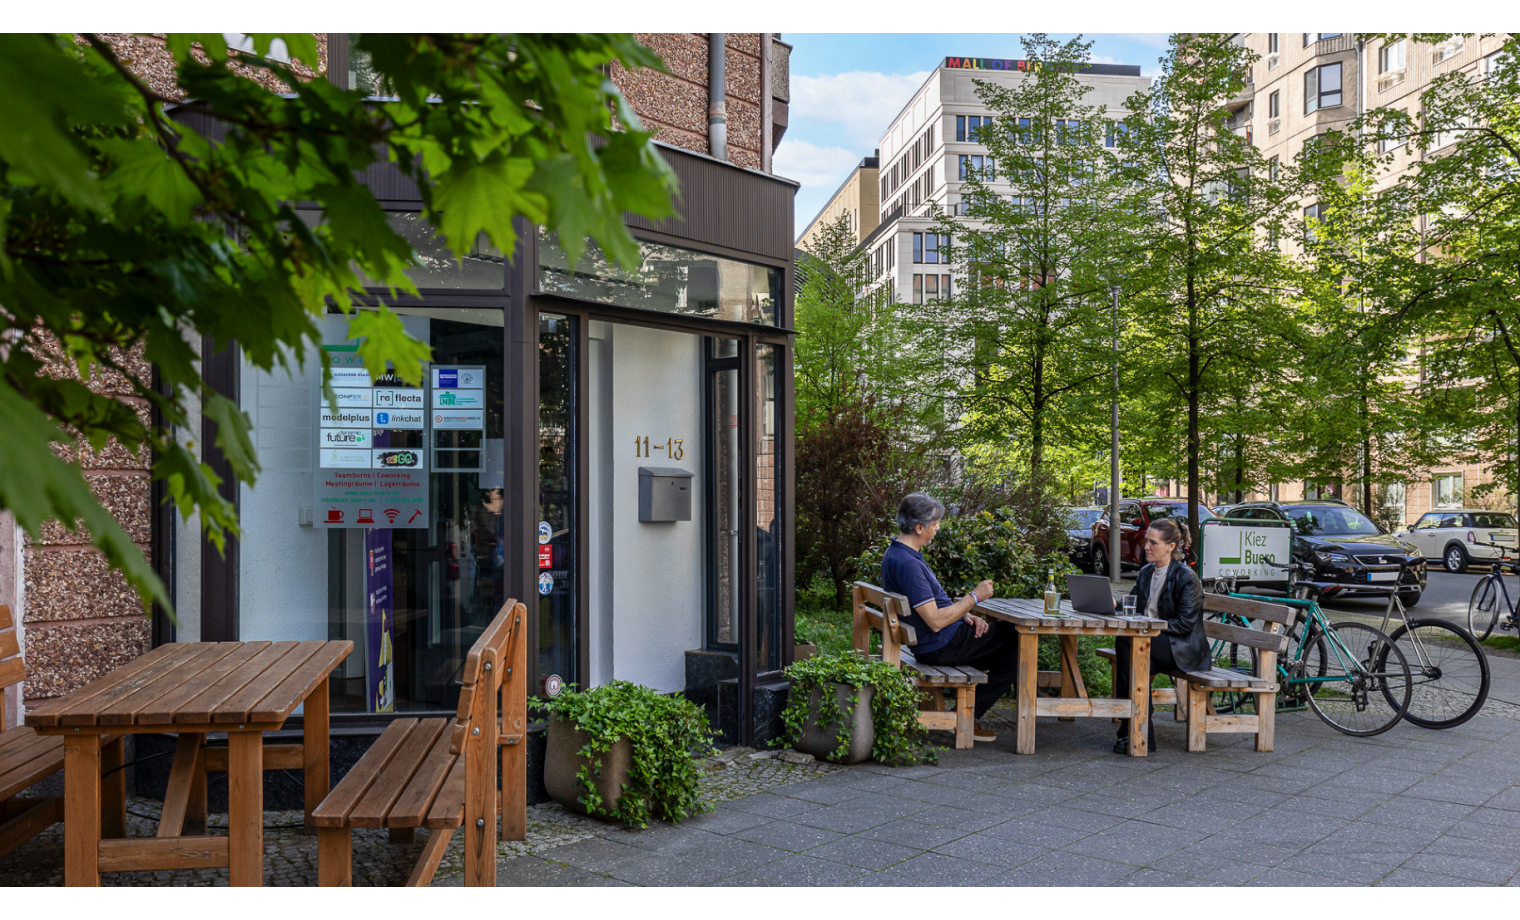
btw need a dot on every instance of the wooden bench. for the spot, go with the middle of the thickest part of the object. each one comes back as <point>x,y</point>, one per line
<point>1190,695</point>
<point>441,775</point>
<point>27,757</point>
<point>882,612</point>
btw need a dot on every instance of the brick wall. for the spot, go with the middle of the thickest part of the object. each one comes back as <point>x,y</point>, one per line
<point>674,105</point>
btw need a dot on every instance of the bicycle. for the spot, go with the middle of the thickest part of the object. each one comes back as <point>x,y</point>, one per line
<point>1351,675</point>
<point>1483,608</point>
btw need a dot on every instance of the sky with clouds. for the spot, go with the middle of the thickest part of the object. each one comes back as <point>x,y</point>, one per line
<point>846,89</point>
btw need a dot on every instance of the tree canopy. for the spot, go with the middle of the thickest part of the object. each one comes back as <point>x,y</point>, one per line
<point>123,230</point>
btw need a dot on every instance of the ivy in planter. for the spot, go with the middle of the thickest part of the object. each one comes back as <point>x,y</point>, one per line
<point>901,740</point>
<point>668,735</point>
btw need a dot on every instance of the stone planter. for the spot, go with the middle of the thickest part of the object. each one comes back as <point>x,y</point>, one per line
<point>563,760</point>
<point>822,740</point>
<point>803,651</point>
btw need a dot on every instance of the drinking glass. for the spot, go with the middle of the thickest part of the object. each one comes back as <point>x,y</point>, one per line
<point>1129,606</point>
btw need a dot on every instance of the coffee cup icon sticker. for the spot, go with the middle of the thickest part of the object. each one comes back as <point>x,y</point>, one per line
<point>334,515</point>
<point>366,516</point>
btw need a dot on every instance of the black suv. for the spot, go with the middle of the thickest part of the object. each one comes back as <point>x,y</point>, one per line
<point>1348,550</point>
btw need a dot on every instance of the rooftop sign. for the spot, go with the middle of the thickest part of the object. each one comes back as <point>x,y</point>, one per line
<point>968,63</point>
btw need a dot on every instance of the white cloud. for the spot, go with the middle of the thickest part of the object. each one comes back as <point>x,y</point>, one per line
<point>817,168</point>
<point>864,102</point>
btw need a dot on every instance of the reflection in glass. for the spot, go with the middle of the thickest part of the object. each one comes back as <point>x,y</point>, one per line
<point>725,523</point>
<point>483,268</point>
<point>668,279</point>
<point>767,515</point>
<point>558,458</point>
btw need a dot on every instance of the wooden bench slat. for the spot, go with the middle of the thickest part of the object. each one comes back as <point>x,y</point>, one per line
<point>341,800</point>
<point>1220,678</point>
<point>972,675</point>
<point>26,764</point>
<point>448,806</point>
<point>1251,638</point>
<point>9,647</point>
<point>411,808</point>
<point>375,806</point>
<point>12,671</point>
<point>7,619</point>
<point>1248,608</point>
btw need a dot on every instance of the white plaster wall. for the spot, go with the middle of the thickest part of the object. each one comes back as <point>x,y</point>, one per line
<point>599,504</point>
<point>656,601</point>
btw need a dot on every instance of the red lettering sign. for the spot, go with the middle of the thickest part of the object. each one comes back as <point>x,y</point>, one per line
<point>546,557</point>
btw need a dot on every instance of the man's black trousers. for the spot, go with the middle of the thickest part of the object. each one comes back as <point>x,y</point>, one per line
<point>996,652</point>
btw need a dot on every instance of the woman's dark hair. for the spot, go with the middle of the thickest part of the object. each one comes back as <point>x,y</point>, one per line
<point>915,509</point>
<point>1168,530</point>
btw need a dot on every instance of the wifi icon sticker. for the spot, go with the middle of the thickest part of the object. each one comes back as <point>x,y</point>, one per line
<point>391,514</point>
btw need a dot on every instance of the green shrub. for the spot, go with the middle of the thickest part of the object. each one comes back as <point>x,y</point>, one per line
<point>900,738</point>
<point>668,734</point>
<point>987,544</point>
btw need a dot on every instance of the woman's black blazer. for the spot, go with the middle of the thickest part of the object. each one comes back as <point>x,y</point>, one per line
<point>1181,606</point>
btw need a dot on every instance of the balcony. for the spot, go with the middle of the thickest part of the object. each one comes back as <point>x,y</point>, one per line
<point>1342,42</point>
<point>1390,80</point>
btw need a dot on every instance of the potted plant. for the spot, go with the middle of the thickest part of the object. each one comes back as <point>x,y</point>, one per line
<point>845,708</point>
<point>624,752</point>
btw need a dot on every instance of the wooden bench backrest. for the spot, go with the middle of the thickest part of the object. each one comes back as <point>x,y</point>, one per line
<point>12,668</point>
<point>493,711</point>
<point>1271,642</point>
<point>882,611</point>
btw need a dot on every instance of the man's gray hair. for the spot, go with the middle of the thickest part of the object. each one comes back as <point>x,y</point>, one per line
<point>916,509</point>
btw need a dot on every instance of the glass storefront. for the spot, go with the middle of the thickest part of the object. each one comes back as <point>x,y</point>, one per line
<point>558,497</point>
<point>768,535</point>
<point>379,520</point>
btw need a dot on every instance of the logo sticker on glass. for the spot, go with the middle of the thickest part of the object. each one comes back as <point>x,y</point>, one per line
<point>545,583</point>
<point>545,532</point>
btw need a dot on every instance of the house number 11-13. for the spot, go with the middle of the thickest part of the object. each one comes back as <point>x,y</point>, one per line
<point>672,448</point>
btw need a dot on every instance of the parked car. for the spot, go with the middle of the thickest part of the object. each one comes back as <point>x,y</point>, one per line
<point>1135,515</point>
<point>1079,533</point>
<point>1456,538</point>
<point>1348,551</point>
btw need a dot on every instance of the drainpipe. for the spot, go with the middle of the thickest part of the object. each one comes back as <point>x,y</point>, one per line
<point>717,107</point>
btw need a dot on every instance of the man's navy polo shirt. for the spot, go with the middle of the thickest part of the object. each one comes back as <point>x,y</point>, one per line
<point>904,571</point>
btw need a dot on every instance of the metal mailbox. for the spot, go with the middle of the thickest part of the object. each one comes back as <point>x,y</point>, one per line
<point>664,494</point>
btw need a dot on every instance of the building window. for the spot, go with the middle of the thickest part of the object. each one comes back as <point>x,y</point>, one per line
<point>918,288</point>
<point>931,248</point>
<point>1272,169</point>
<point>1449,50</point>
<point>1390,141</point>
<point>966,127</point>
<point>1494,64</point>
<point>1391,57</point>
<point>1313,214</point>
<point>1322,87</point>
<point>980,165</point>
<point>1312,37</point>
<point>1273,108</point>
<point>1272,42</point>
<point>669,279</point>
<point>918,247</point>
<point>1026,133</point>
<point>1446,490</point>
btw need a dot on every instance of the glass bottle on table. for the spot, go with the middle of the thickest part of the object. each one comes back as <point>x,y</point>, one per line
<point>1052,596</point>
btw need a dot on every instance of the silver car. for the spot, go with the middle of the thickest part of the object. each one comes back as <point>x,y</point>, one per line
<point>1457,538</point>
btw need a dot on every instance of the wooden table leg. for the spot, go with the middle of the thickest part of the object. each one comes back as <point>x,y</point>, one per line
<point>81,810</point>
<point>245,808</point>
<point>113,788</point>
<point>315,749</point>
<point>179,798</point>
<point>1029,670</point>
<point>1140,694</point>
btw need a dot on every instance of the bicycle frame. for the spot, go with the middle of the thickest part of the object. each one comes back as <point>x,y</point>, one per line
<point>1497,576</point>
<point>1316,617</point>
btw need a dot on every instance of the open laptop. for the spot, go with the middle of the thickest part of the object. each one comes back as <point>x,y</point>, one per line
<point>1090,594</point>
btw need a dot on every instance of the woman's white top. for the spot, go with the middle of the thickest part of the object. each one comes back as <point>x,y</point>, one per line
<point>1158,578</point>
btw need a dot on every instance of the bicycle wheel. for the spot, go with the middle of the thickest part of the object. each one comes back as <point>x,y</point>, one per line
<point>1483,609</point>
<point>1298,668</point>
<point>1449,671</point>
<point>1366,693</point>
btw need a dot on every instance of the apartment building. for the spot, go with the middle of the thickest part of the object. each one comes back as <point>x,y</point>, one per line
<point>1305,84</point>
<point>857,199</point>
<point>926,150</point>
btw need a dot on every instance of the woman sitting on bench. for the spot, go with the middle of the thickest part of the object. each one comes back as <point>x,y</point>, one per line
<point>938,621</point>
<point>1166,589</point>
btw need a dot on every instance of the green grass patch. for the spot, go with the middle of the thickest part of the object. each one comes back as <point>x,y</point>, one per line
<point>1509,644</point>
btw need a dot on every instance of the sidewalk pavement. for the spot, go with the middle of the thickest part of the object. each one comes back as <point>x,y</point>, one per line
<point>1408,807</point>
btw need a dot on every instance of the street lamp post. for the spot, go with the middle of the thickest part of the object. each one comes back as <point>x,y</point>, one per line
<point>1113,454</point>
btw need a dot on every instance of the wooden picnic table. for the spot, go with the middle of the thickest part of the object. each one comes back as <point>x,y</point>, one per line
<point>192,689</point>
<point>1031,621</point>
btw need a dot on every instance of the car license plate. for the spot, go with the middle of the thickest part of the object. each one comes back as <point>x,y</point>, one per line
<point>1382,576</point>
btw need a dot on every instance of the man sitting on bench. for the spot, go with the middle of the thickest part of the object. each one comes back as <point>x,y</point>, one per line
<point>948,632</point>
